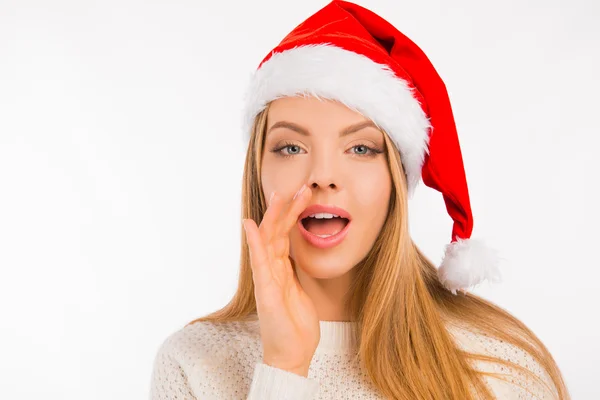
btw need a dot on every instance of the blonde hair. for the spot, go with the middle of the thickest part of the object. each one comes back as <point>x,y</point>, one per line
<point>399,304</point>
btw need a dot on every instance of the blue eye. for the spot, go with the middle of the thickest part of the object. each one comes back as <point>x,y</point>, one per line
<point>366,148</point>
<point>294,149</point>
<point>290,147</point>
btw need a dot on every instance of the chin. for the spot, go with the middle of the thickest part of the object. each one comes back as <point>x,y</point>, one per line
<point>325,271</point>
<point>323,264</point>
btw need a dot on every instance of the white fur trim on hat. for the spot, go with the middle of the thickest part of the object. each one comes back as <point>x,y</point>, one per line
<point>374,90</point>
<point>466,263</point>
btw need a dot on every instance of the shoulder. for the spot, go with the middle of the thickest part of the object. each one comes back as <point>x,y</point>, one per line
<point>514,383</point>
<point>193,358</point>
<point>207,340</point>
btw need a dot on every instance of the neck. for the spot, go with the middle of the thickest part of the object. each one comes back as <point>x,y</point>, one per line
<point>328,295</point>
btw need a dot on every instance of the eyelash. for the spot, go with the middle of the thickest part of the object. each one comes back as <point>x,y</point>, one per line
<point>373,151</point>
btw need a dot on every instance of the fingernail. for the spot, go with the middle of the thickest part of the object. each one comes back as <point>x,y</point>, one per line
<point>271,197</point>
<point>299,192</point>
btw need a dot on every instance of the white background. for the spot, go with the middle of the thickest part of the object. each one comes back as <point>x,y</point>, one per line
<point>121,161</point>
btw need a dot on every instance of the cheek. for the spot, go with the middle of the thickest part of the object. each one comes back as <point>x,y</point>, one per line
<point>282,177</point>
<point>371,189</point>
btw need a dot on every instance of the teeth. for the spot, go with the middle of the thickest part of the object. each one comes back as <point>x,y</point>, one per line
<point>324,215</point>
<point>324,236</point>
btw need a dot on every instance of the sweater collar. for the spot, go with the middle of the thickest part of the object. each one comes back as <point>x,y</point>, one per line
<point>337,336</point>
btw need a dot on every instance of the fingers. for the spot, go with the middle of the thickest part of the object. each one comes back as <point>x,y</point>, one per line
<point>271,216</point>
<point>280,242</point>
<point>270,241</point>
<point>277,220</point>
<point>297,205</point>
<point>259,258</point>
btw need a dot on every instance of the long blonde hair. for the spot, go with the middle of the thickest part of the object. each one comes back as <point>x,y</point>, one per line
<point>399,304</point>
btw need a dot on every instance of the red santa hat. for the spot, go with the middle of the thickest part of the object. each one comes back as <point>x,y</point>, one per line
<point>347,53</point>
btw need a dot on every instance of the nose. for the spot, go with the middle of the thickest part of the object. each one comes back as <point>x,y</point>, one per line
<point>324,172</point>
<point>316,185</point>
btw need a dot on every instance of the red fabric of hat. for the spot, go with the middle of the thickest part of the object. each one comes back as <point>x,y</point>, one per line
<point>347,53</point>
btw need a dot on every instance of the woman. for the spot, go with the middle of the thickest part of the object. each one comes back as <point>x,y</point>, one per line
<point>335,301</point>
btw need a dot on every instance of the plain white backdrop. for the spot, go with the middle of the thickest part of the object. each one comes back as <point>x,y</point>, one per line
<point>121,160</point>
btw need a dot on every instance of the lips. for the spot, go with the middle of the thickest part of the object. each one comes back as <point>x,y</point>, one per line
<point>324,226</point>
<point>323,241</point>
<point>321,208</point>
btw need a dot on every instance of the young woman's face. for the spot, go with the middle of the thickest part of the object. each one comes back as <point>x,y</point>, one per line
<point>347,171</point>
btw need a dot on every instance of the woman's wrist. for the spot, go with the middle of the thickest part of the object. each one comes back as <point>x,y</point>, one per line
<point>301,370</point>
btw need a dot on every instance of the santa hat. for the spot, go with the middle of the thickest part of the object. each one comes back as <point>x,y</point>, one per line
<point>347,53</point>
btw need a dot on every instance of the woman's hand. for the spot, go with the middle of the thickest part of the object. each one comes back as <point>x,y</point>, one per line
<point>289,325</point>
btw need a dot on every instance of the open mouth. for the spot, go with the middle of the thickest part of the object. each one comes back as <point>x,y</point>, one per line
<point>324,227</point>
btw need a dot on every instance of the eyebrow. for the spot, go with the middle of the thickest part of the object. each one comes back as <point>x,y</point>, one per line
<point>346,131</point>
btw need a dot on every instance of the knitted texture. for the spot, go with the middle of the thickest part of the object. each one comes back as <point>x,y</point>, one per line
<point>224,361</point>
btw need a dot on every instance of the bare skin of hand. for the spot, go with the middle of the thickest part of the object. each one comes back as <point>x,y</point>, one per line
<point>289,324</point>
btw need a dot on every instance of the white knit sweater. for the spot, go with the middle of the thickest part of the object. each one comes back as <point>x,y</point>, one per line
<point>224,361</point>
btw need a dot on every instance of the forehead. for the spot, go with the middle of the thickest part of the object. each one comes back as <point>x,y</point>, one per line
<point>312,113</point>
<point>302,105</point>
